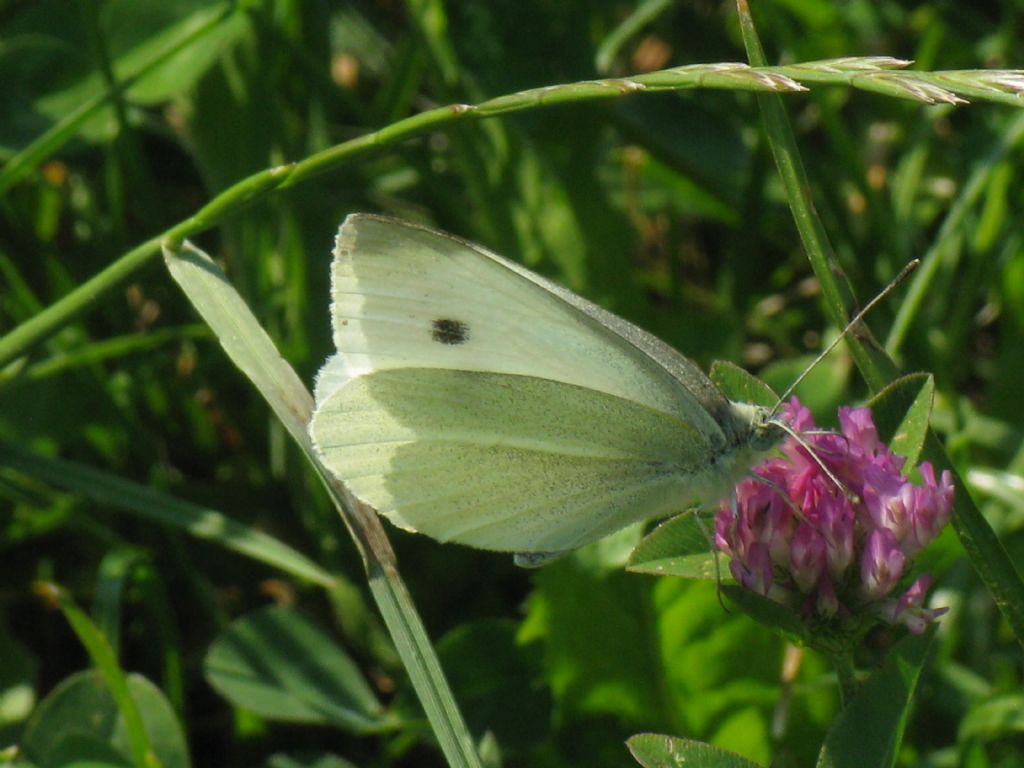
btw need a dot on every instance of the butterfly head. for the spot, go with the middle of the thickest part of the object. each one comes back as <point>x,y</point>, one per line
<point>767,430</point>
<point>762,429</point>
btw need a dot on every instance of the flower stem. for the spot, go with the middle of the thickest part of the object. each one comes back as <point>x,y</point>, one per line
<point>843,662</point>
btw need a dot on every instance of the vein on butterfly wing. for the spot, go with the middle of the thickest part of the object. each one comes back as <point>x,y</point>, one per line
<point>566,491</point>
<point>556,508</point>
<point>492,499</point>
<point>656,468</point>
<point>507,290</point>
<point>508,506</point>
<point>524,444</point>
<point>425,414</point>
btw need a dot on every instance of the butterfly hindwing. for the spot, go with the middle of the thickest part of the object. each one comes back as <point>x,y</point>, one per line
<point>501,461</point>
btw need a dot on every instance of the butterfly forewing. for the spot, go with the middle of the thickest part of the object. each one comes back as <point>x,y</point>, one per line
<point>405,296</point>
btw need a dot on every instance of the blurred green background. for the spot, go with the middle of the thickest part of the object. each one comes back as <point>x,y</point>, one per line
<point>664,208</point>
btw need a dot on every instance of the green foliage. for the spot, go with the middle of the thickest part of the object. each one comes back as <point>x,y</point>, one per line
<point>653,750</point>
<point>143,473</point>
<point>80,719</point>
<point>739,385</point>
<point>278,664</point>
<point>902,412</point>
<point>681,546</point>
<point>496,682</point>
<point>869,730</point>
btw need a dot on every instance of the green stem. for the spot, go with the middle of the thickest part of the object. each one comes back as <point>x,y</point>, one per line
<point>716,76</point>
<point>836,290</point>
<point>40,327</point>
<point>89,294</point>
<point>90,14</point>
<point>847,677</point>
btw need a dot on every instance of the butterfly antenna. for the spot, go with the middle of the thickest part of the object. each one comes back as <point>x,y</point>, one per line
<point>813,453</point>
<point>910,267</point>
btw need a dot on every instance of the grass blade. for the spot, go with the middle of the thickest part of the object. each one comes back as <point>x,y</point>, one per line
<point>37,152</point>
<point>725,76</point>
<point>105,661</point>
<point>201,522</point>
<point>251,349</point>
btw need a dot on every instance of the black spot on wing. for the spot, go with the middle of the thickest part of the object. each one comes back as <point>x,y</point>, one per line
<point>448,331</point>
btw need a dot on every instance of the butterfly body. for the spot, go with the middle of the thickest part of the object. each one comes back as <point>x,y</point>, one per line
<point>474,401</point>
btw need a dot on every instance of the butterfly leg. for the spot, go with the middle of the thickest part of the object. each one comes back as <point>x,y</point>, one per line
<point>537,559</point>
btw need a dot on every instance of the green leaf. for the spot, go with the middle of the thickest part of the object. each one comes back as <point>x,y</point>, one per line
<point>115,571</point>
<point>653,750</point>
<point>167,54</point>
<point>59,723</point>
<point>902,412</point>
<point>318,760</point>
<point>999,717</point>
<point>84,750</point>
<point>651,653</point>
<point>824,386</point>
<point>678,547</point>
<point>157,68</point>
<point>764,611</point>
<point>738,385</point>
<point>280,665</point>
<point>243,339</point>
<point>150,45</point>
<point>614,670</point>
<point>868,732</point>
<point>17,683</point>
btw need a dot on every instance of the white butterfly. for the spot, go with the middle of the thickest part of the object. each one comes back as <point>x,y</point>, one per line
<point>474,401</point>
